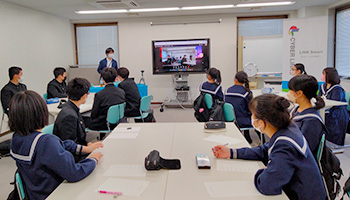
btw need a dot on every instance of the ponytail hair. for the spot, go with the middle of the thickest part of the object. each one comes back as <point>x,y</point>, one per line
<point>215,75</point>
<point>301,68</point>
<point>242,77</point>
<point>309,86</point>
<point>271,108</point>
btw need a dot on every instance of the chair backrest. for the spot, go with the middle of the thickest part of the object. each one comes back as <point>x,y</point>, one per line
<point>228,112</point>
<point>208,100</point>
<point>347,97</point>
<point>45,96</point>
<point>320,148</point>
<point>20,187</point>
<point>145,103</point>
<point>113,114</point>
<point>48,129</point>
<point>122,110</point>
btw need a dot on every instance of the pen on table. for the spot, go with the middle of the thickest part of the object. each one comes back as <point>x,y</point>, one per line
<point>109,192</point>
<point>128,128</point>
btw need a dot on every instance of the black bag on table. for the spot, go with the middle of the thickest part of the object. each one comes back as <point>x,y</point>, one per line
<point>154,162</point>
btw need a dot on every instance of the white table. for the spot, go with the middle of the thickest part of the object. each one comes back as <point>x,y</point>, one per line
<point>53,110</point>
<point>173,140</point>
<point>328,103</point>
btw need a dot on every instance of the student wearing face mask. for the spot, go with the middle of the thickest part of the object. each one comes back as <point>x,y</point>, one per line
<point>12,87</point>
<point>298,69</point>
<point>108,61</point>
<point>302,89</point>
<point>338,117</point>
<point>57,87</point>
<point>290,165</point>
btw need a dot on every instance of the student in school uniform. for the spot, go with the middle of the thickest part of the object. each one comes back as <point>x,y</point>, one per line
<point>298,69</point>
<point>57,87</point>
<point>12,87</point>
<point>132,95</point>
<point>109,96</point>
<point>337,119</point>
<point>239,96</point>
<point>212,86</point>
<point>108,62</point>
<point>290,165</point>
<point>302,89</point>
<point>69,124</point>
<point>43,160</point>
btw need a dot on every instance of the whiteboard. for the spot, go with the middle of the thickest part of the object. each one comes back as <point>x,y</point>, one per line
<point>264,51</point>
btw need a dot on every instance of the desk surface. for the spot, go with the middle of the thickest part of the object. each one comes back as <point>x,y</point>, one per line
<point>173,140</point>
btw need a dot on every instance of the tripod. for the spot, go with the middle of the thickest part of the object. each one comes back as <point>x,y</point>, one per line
<point>142,79</point>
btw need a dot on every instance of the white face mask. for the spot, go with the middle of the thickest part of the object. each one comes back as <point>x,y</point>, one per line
<point>101,81</point>
<point>253,120</point>
<point>111,55</point>
<point>21,79</point>
<point>291,97</point>
<point>292,73</point>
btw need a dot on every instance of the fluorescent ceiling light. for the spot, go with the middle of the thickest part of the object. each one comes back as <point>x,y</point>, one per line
<point>282,3</point>
<point>154,9</point>
<point>101,11</point>
<point>207,7</point>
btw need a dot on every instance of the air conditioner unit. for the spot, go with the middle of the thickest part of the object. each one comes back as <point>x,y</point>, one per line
<point>114,4</point>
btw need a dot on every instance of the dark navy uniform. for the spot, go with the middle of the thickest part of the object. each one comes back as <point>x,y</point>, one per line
<point>69,124</point>
<point>290,166</point>
<point>213,89</point>
<point>109,96</point>
<point>311,125</point>
<point>44,161</point>
<point>238,97</point>
<point>103,64</point>
<point>337,119</point>
<point>132,96</point>
<point>56,89</point>
<point>8,91</point>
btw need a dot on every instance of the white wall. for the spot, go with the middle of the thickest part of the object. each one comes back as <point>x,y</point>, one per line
<point>35,41</point>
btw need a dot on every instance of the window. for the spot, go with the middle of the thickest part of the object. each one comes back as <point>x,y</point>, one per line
<point>92,40</point>
<point>342,45</point>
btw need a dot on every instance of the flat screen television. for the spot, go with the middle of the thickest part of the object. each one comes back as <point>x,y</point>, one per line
<point>185,56</point>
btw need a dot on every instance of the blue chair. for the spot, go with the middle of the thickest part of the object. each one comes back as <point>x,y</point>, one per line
<point>115,113</point>
<point>45,96</point>
<point>144,107</point>
<point>347,97</point>
<point>208,101</point>
<point>20,188</point>
<point>229,112</point>
<point>48,129</point>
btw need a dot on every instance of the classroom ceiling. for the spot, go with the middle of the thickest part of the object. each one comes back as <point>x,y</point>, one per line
<point>66,8</point>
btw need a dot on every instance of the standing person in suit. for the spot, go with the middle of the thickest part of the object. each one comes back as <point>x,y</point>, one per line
<point>57,87</point>
<point>109,96</point>
<point>132,94</point>
<point>108,61</point>
<point>12,87</point>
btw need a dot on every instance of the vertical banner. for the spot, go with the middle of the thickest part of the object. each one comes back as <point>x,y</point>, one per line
<point>304,41</point>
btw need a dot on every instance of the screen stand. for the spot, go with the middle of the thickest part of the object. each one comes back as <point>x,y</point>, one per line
<point>181,92</point>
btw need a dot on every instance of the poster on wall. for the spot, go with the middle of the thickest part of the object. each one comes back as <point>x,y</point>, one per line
<point>304,41</point>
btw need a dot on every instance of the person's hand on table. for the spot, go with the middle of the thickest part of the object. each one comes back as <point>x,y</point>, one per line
<point>221,151</point>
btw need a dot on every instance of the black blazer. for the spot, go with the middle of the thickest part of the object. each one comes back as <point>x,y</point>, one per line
<point>104,99</point>
<point>103,64</point>
<point>69,124</point>
<point>132,96</point>
<point>56,89</point>
<point>8,91</point>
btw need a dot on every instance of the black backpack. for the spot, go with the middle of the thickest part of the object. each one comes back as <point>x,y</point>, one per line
<point>5,148</point>
<point>201,111</point>
<point>331,172</point>
<point>217,112</point>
